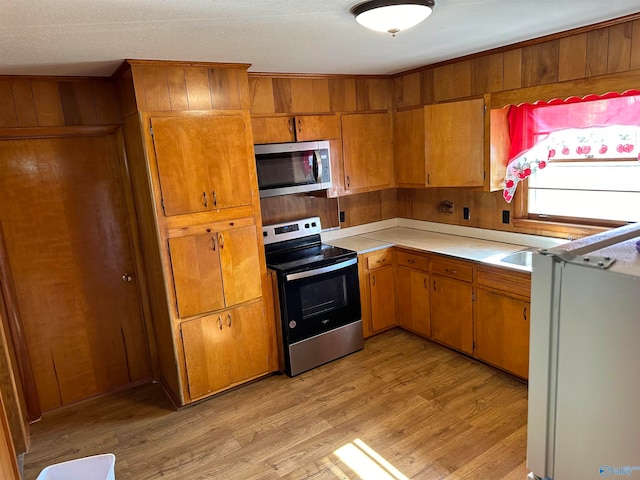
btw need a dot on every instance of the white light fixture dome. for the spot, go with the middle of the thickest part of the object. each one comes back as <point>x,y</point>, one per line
<point>392,15</point>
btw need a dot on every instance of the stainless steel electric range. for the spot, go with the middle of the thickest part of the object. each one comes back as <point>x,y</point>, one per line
<point>318,293</point>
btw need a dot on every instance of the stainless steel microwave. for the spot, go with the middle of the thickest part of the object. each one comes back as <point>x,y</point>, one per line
<point>285,168</point>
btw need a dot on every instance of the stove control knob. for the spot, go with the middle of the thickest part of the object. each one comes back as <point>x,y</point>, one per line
<point>292,324</point>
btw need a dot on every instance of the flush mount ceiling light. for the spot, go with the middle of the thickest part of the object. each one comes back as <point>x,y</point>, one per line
<point>392,15</point>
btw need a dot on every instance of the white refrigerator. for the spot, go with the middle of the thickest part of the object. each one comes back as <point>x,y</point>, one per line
<point>584,373</point>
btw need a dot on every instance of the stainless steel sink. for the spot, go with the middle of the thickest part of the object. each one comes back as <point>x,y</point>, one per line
<point>522,258</point>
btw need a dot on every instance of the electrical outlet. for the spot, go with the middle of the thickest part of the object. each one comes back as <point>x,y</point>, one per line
<point>342,217</point>
<point>465,213</point>
<point>506,216</point>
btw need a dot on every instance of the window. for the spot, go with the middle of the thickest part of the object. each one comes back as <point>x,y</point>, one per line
<point>580,160</point>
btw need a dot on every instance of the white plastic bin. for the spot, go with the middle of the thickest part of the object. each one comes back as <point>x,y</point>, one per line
<point>98,467</point>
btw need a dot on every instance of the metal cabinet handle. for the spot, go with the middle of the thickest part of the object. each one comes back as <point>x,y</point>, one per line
<point>411,261</point>
<point>214,195</point>
<point>299,126</point>
<point>204,197</point>
<point>291,122</point>
<point>348,181</point>
<point>434,285</point>
<point>127,277</point>
<point>452,272</point>
<point>374,280</point>
<point>524,313</point>
<point>229,319</point>
<point>221,240</point>
<point>213,243</point>
<point>425,283</point>
<point>220,322</point>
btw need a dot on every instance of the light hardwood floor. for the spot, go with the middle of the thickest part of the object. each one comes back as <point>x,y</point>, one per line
<point>403,407</point>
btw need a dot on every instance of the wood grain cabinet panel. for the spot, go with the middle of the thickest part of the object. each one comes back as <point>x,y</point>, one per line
<point>502,331</point>
<point>412,300</point>
<point>367,152</point>
<point>452,313</point>
<point>409,148</point>
<point>299,128</point>
<point>454,143</point>
<point>214,270</point>
<point>199,162</point>
<point>382,287</point>
<point>225,349</point>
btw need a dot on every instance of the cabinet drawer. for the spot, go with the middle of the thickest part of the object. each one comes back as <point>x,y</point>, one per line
<point>504,280</point>
<point>452,269</point>
<point>379,259</point>
<point>412,260</point>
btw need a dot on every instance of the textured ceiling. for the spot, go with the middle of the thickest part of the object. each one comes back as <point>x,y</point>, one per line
<point>92,37</point>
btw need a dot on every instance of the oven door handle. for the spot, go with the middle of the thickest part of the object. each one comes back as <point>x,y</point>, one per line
<point>318,271</point>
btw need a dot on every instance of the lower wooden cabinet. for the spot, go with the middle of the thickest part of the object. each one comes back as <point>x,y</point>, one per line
<point>502,331</point>
<point>226,348</point>
<point>452,313</point>
<point>377,291</point>
<point>413,293</point>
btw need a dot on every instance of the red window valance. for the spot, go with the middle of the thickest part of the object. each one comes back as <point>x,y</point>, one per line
<point>533,131</point>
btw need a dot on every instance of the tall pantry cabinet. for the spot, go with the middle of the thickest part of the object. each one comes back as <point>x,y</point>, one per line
<point>189,148</point>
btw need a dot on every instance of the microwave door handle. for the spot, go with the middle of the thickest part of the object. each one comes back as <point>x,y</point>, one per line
<point>317,167</point>
<point>318,271</point>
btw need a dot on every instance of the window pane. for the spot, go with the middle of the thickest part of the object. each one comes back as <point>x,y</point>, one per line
<point>617,206</point>
<point>620,176</point>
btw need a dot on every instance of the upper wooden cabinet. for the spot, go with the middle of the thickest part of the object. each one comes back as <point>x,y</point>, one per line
<point>200,159</point>
<point>409,149</point>
<point>454,143</point>
<point>215,269</point>
<point>440,145</point>
<point>295,128</point>
<point>367,152</point>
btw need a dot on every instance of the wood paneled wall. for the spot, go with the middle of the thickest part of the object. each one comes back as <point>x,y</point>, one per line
<point>610,49</point>
<point>329,94</point>
<point>56,102</point>
<point>154,86</point>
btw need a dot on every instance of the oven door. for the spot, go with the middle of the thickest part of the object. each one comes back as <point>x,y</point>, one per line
<point>318,300</point>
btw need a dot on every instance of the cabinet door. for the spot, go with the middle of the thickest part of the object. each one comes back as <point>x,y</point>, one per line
<point>454,143</point>
<point>240,264</point>
<point>199,162</point>
<point>196,274</point>
<point>367,151</point>
<point>273,129</point>
<point>181,147</point>
<point>502,331</point>
<point>383,305</point>
<point>251,351</point>
<point>408,141</point>
<point>412,300</point>
<point>228,162</point>
<point>317,127</point>
<point>451,313</point>
<point>206,355</point>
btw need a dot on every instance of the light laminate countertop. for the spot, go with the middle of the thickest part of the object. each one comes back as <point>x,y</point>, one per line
<point>463,247</point>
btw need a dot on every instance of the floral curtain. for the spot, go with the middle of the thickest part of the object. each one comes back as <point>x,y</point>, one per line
<point>603,126</point>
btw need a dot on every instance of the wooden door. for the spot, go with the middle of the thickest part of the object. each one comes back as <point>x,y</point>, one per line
<point>454,143</point>
<point>412,300</point>
<point>205,342</point>
<point>383,307</point>
<point>181,146</point>
<point>251,352</point>
<point>197,275</point>
<point>273,129</point>
<point>502,331</point>
<point>367,151</point>
<point>65,223</point>
<point>317,127</point>
<point>228,160</point>
<point>408,141</point>
<point>240,264</point>
<point>451,313</point>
